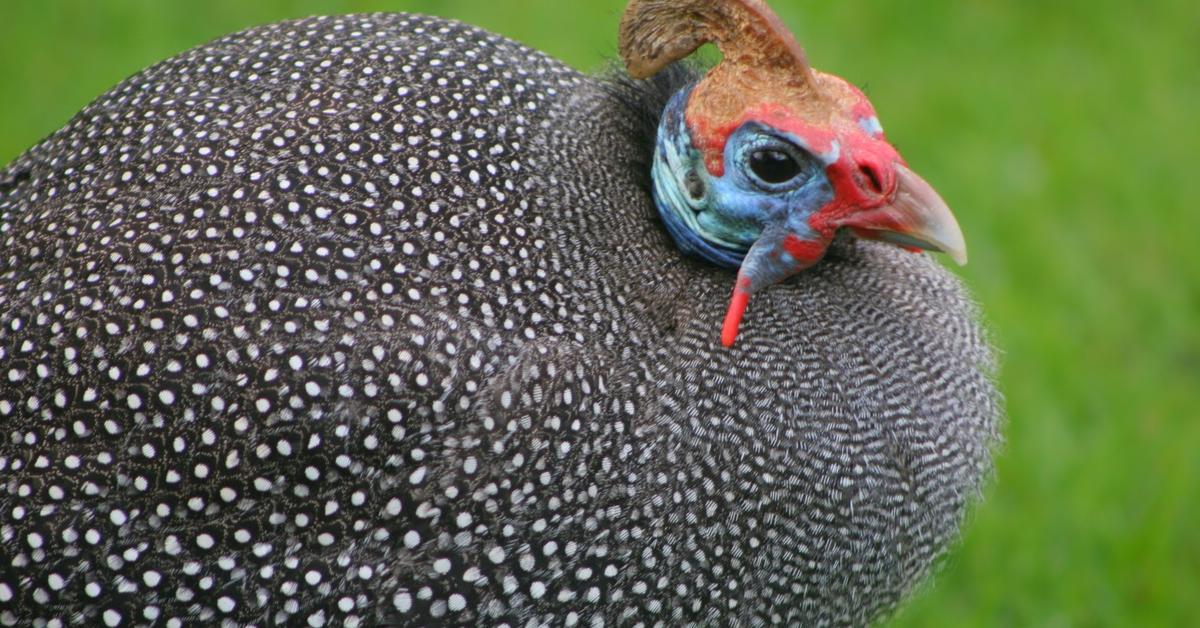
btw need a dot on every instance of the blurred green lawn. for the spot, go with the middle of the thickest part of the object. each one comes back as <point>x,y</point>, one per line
<point>1063,134</point>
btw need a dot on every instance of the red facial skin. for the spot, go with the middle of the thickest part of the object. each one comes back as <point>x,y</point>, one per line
<point>860,153</point>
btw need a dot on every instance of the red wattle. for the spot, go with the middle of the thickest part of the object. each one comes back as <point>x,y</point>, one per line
<point>737,309</point>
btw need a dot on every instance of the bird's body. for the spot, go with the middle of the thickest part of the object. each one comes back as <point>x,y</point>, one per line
<point>373,319</point>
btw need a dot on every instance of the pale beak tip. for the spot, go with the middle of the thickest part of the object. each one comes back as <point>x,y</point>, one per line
<point>951,242</point>
<point>932,220</point>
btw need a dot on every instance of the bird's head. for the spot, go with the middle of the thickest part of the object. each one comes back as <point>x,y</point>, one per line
<point>764,160</point>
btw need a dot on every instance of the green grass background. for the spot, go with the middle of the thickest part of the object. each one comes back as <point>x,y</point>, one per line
<point>1064,134</point>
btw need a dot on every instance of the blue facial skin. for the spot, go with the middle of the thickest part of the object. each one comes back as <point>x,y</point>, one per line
<point>718,218</point>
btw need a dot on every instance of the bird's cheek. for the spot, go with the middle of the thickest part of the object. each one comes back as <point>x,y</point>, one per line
<point>805,251</point>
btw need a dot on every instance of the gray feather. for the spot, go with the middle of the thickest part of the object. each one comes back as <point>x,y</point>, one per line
<point>370,319</point>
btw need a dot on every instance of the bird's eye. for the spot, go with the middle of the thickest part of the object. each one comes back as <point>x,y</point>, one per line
<point>774,166</point>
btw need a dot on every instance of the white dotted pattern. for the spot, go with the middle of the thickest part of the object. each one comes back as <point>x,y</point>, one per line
<point>369,319</point>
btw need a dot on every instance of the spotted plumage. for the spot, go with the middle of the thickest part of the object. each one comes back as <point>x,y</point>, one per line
<point>372,319</point>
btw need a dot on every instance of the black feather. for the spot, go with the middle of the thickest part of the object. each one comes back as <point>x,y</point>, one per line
<point>642,102</point>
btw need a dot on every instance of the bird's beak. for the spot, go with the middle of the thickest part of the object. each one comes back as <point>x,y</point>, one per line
<point>917,218</point>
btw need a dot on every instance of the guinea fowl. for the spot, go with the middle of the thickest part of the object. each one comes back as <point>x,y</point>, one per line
<point>387,319</point>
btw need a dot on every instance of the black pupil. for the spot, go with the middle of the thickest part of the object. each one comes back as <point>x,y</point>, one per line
<point>774,166</point>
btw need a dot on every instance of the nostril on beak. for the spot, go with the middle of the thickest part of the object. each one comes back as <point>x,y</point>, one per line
<point>871,179</point>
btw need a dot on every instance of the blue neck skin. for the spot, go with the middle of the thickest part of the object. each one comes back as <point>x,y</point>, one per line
<point>718,219</point>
